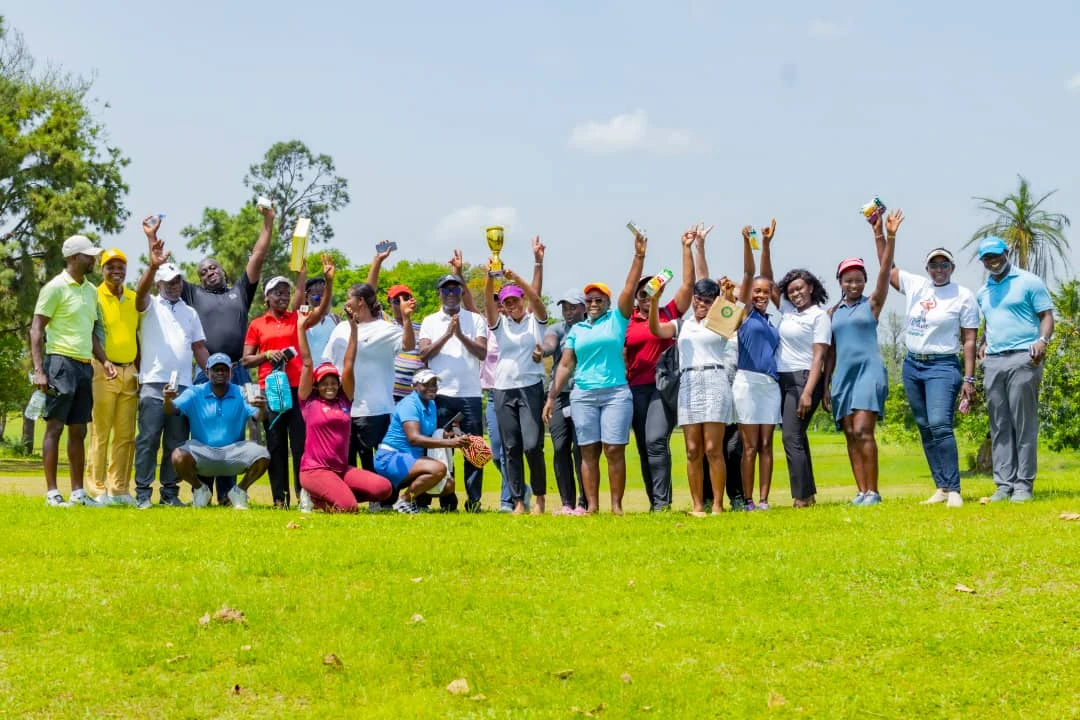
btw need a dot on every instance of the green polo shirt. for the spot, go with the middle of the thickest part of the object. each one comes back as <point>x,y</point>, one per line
<point>72,309</point>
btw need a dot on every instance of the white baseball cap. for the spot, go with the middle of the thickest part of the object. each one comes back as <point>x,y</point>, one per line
<point>274,282</point>
<point>80,245</point>
<point>167,272</point>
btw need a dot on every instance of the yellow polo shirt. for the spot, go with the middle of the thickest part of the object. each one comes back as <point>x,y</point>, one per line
<point>72,309</point>
<point>121,322</point>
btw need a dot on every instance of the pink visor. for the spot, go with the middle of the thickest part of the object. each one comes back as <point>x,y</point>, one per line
<point>848,264</point>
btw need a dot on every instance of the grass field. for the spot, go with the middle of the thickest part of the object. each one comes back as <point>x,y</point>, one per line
<point>829,612</point>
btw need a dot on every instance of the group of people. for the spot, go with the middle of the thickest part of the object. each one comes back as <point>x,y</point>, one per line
<point>369,408</point>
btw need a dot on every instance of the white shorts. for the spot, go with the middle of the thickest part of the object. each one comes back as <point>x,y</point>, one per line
<point>757,398</point>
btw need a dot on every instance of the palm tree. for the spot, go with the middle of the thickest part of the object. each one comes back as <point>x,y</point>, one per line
<point>1036,238</point>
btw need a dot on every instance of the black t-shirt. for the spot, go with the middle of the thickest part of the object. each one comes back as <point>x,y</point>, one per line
<point>224,314</point>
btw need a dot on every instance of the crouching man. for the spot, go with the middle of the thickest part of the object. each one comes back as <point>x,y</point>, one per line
<point>217,413</point>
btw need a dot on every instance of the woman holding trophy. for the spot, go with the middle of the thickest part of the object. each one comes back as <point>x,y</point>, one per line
<point>601,405</point>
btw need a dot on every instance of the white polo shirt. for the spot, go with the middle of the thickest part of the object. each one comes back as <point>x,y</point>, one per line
<point>935,315</point>
<point>457,368</point>
<point>377,344</point>
<point>166,333</point>
<point>517,340</point>
<point>799,332</point>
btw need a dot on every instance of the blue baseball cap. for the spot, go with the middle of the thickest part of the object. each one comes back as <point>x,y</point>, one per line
<point>992,245</point>
<point>218,359</point>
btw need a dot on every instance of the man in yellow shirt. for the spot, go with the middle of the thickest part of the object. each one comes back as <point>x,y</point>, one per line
<point>62,341</point>
<point>115,398</point>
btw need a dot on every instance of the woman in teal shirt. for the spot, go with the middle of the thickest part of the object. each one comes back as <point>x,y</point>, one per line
<point>601,405</point>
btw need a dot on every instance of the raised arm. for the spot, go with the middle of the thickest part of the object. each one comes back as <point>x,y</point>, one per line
<point>536,303</point>
<point>879,241</point>
<point>491,311</point>
<point>661,329</point>
<point>323,307</point>
<point>701,264</point>
<point>307,364</point>
<point>881,289</point>
<point>299,295</point>
<point>685,292</point>
<point>262,246</point>
<point>767,234</point>
<point>457,265</point>
<point>157,257</point>
<point>376,266</point>
<point>637,264</point>
<point>348,369</point>
<point>748,269</point>
<point>538,265</point>
<point>408,332</point>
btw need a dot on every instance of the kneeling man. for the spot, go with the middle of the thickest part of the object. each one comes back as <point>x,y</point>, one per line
<point>217,413</point>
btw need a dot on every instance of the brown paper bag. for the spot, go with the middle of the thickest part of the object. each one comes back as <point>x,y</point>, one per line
<point>724,317</point>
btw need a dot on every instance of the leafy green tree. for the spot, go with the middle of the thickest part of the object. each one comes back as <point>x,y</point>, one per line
<point>228,239</point>
<point>1036,237</point>
<point>1059,401</point>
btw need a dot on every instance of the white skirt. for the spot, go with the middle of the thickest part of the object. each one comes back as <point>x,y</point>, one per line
<point>757,398</point>
<point>704,397</point>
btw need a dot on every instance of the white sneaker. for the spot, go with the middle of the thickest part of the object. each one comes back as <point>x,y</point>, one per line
<point>405,507</point>
<point>955,500</point>
<point>939,496</point>
<point>55,499</point>
<point>238,498</point>
<point>124,499</point>
<point>104,500</point>
<point>201,496</point>
<point>305,504</point>
<point>79,497</point>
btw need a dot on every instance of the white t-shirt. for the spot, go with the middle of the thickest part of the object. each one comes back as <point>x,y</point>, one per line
<point>516,341</point>
<point>457,368</point>
<point>699,346</point>
<point>799,332</point>
<point>935,315</point>
<point>166,333</point>
<point>377,344</point>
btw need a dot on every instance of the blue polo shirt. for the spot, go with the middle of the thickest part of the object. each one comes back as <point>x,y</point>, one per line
<point>412,408</point>
<point>1011,308</point>
<point>598,347</point>
<point>758,340</point>
<point>215,421</point>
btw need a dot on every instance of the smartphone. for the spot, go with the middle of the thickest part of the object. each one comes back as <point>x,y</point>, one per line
<point>632,227</point>
<point>386,245</point>
<point>173,378</point>
<point>264,202</point>
<point>453,421</point>
<point>305,308</point>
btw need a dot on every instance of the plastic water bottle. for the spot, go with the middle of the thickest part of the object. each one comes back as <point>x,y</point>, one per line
<point>36,407</point>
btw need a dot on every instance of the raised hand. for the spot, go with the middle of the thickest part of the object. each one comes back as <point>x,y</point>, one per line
<point>746,233</point>
<point>510,275</point>
<point>267,212</point>
<point>328,266</point>
<point>769,231</point>
<point>538,249</point>
<point>381,256</point>
<point>641,243</point>
<point>700,233</point>
<point>689,236</point>
<point>158,254</point>
<point>456,262</point>
<point>150,225</point>
<point>893,220</point>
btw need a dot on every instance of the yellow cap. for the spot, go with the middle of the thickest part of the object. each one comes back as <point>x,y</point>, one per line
<point>600,287</point>
<point>113,254</point>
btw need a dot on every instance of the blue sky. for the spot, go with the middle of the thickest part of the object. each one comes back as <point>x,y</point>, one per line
<point>567,119</point>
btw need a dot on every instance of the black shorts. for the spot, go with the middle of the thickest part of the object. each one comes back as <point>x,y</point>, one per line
<point>70,396</point>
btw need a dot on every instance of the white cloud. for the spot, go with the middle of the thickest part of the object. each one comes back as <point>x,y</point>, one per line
<point>1074,82</point>
<point>468,223</point>
<point>631,131</point>
<point>829,28</point>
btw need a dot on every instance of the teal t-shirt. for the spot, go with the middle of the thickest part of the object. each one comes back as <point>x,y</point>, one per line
<point>1011,308</point>
<point>598,347</point>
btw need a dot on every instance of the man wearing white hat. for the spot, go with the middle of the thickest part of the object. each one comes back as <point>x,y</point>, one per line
<point>62,341</point>
<point>170,336</point>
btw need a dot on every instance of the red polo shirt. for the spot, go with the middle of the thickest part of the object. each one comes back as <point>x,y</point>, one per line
<point>643,348</point>
<point>272,333</point>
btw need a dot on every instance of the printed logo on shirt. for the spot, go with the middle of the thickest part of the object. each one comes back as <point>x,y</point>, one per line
<point>928,304</point>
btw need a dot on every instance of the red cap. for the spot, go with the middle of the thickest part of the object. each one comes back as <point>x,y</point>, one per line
<point>396,290</point>
<point>324,369</point>
<point>849,264</point>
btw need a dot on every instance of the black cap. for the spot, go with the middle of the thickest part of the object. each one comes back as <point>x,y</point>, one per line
<point>447,279</point>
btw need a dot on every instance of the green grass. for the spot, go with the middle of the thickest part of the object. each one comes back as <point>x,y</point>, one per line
<point>829,612</point>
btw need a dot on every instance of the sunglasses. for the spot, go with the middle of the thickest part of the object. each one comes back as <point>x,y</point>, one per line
<point>939,265</point>
<point>595,300</point>
<point>453,290</point>
<point>399,298</point>
<point>992,257</point>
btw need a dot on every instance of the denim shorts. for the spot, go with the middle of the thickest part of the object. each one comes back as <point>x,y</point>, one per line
<point>602,415</point>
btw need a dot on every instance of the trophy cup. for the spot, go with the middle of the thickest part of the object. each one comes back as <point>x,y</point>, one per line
<point>495,244</point>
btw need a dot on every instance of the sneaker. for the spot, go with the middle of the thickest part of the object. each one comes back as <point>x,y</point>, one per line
<point>238,498</point>
<point>104,500</point>
<point>871,498</point>
<point>55,499</point>
<point>955,500</point>
<point>172,502</point>
<point>79,497</point>
<point>999,495</point>
<point>126,500</point>
<point>738,505</point>
<point>405,507</point>
<point>1021,496</point>
<point>377,507</point>
<point>859,498</point>
<point>305,505</point>
<point>201,496</point>
<point>565,510</point>
<point>144,504</point>
<point>763,505</point>
<point>505,507</point>
<point>749,506</point>
<point>939,496</point>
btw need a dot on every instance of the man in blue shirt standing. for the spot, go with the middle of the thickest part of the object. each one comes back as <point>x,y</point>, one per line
<point>1019,322</point>
<point>217,414</point>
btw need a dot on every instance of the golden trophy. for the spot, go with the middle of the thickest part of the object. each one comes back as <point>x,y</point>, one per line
<point>495,244</point>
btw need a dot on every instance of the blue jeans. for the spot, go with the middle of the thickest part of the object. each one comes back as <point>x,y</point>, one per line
<point>492,425</point>
<point>931,387</point>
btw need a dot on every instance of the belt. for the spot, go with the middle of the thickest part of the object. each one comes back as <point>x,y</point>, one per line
<point>1009,352</point>
<point>932,356</point>
<point>714,366</point>
<point>122,365</point>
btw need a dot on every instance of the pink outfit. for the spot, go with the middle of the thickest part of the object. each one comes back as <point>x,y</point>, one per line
<point>336,492</point>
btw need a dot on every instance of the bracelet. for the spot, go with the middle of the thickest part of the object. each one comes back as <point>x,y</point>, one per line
<point>970,380</point>
<point>639,256</point>
<point>538,264</point>
<point>1044,340</point>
